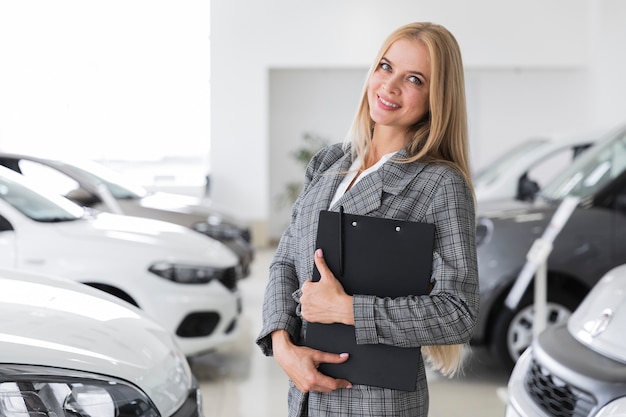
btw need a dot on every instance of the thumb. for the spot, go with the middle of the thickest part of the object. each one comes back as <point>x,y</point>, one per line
<point>321,265</point>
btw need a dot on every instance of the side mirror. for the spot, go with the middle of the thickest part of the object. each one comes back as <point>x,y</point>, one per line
<point>82,197</point>
<point>526,188</point>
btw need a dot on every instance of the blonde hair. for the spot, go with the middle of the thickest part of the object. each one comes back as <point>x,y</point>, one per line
<point>446,359</point>
<point>441,136</point>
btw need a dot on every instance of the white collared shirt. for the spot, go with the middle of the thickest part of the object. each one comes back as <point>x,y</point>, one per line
<point>353,171</point>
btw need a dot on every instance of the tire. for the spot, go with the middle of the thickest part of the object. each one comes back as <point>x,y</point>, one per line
<point>513,330</point>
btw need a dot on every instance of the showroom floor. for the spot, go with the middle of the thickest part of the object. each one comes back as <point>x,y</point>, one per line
<point>238,381</point>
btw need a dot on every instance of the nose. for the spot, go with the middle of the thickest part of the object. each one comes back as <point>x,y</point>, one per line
<point>391,85</point>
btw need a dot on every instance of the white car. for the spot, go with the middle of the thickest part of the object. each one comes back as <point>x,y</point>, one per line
<point>70,350</point>
<point>185,280</point>
<point>577,368</point>
<point>93,185</point>
<point>521,171</point>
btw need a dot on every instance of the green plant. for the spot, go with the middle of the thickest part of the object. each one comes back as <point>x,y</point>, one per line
<point>311,144</point>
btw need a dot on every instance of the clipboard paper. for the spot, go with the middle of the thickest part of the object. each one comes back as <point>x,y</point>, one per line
<point>372,256</point>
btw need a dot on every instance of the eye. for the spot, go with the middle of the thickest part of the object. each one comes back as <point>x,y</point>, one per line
<point>385,66</point>
<point>415,80</point>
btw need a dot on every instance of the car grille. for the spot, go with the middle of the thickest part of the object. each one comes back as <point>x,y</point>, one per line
<point>555,396</point>
<point>198,324</point>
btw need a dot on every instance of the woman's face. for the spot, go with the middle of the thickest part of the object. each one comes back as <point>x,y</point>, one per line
<point>398,90</point>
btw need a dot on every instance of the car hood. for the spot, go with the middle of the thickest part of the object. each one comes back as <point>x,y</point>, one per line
<point>174,202</point>
<point>162,239</point>
<point>62,324</point>
<point>506,207</point>
<point>600,320</point>
<point>186,204</point>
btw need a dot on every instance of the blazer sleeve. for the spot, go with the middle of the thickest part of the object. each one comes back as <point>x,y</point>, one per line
<point>279,305</point>
<point>448,314</point>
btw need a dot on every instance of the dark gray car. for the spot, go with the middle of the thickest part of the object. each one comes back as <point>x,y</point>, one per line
<point>591,243</point>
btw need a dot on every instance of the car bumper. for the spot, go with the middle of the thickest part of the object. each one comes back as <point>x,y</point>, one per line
<point>519,403</point>
<point>200,316</point>
<point>559,376</point>
<point>192,407</point>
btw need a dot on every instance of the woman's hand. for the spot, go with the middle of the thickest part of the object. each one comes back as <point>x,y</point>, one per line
<point>325,301</point>
<point>300,364</point>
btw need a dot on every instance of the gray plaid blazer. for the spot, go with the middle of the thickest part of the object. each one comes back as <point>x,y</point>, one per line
<point>427,192</point>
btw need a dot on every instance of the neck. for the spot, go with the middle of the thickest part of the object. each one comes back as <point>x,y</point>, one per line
<point>385,140</point>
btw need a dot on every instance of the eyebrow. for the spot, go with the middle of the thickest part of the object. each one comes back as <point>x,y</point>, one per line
<point>421,74</point>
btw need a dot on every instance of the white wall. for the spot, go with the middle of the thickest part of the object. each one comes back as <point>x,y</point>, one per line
<point>316,101</point>
<point>130,79</point>
<point>528,72</point>
<point>105,79</point>
<point>607,62</point>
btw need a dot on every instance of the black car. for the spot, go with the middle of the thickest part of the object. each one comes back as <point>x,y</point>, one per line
<point>592,242</point>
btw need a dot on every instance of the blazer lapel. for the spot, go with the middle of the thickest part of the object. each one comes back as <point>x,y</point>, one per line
<point>327,182</point>
<point>366,195</point>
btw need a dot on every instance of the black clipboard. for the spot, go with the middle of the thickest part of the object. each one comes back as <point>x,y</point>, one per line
<point>372,256</point>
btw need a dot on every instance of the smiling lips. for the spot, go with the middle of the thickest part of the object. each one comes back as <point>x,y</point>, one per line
<point>387,104</point>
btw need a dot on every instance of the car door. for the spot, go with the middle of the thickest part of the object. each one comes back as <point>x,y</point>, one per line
<point>614,198</point>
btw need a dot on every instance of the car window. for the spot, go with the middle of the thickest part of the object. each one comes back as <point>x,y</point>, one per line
<point>5,224</point>
<point>499,165</point>
<point>50,178</point>
<point>38,207</point>
<point>544,170</point>
<point>117,184</point>
<point>591,171</point>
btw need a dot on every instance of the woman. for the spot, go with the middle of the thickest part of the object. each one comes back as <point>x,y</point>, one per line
<point>405,157</point>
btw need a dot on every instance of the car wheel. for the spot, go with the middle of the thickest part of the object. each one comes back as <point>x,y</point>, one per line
<point>513,330</point>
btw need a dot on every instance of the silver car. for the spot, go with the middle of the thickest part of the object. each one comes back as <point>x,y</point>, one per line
<point>578,367</point>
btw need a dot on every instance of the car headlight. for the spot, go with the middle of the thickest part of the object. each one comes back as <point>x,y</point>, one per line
<point>194,274</point>
<point>27,391</point>
<point>614,408</point>
<point>484,230</point>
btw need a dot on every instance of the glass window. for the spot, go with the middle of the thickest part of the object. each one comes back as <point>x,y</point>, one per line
<point>501,164</point>
<point>592,170</point>
<point>49,178</point>
<point>38,207</point>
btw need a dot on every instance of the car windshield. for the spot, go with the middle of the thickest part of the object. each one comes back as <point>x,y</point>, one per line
<point>501,164</point>
<point>119,187</point>
<point>592,170</point>
<point>37,206</point>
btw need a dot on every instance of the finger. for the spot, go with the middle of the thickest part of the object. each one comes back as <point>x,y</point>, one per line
<point>326,357</point>
<point>327,384</point>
